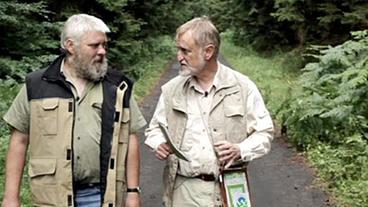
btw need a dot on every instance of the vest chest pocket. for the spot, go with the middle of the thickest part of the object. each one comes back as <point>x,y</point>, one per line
<point>47,116</point>
<point>235,119</point>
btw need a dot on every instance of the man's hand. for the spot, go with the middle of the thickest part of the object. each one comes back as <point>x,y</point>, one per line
<point>163,151</point>
<point>227,153</point>
<point>132,200</point>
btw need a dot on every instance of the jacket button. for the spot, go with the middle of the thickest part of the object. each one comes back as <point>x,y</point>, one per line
<point>215,130</point>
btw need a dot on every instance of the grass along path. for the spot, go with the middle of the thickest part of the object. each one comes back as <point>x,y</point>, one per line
<point>274,76</point>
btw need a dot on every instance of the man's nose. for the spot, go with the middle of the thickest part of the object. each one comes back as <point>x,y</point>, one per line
<point>179,56</point>
<point>101,50</point>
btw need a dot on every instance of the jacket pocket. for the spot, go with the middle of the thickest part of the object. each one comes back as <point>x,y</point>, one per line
<point>123,146</point>
<point>42,171</point>
<point>125,124</point>
<point>121,192</point>
<point>235,120</point>
<point>233,105</point>
<point>97,107</point>
<point>44,188</point>
<point>48,116</point>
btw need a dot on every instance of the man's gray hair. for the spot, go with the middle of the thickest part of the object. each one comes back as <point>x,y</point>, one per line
<point>78,25</point>
<point>203,32</point>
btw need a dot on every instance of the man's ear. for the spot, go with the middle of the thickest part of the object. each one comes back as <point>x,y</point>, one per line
<point>209,51</point>
<point>70,46</point>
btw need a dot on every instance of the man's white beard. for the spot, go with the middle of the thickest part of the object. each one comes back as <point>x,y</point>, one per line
<point>186,70</point>
<point>89,70</point>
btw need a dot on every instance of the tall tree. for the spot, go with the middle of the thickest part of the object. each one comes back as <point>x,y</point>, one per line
<point>25,36</point>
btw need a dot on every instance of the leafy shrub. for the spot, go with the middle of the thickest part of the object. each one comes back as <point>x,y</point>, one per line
<point>329,116</point>
<point>7,94</point>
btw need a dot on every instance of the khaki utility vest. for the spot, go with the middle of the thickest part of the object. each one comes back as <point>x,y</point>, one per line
<point>51,137</point>
<point>227,118</point>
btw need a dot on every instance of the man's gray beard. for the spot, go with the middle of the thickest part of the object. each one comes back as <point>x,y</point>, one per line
<point>185,72</point>
<point>190,71</point>
<point>91,71</point>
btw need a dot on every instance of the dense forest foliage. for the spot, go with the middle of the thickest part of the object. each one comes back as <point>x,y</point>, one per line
<point>326,117</point>
<point>297,23</point>
<point>30,29</point>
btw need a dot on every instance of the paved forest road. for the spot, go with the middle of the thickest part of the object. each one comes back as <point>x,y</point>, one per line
<point>279,179</point>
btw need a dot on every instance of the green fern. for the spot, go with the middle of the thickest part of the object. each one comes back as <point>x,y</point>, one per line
<point>329,117</point>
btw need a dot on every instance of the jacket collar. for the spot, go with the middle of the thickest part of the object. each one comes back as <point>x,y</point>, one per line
<point>52,72</point>
<point>226,84</point>
<point>225,77</point>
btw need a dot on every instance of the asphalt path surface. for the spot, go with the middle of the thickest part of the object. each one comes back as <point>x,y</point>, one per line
<point>279,179</point>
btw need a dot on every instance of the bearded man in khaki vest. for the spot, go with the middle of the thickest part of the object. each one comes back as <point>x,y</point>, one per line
<point>214,115</point>
<point>79,120</point>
